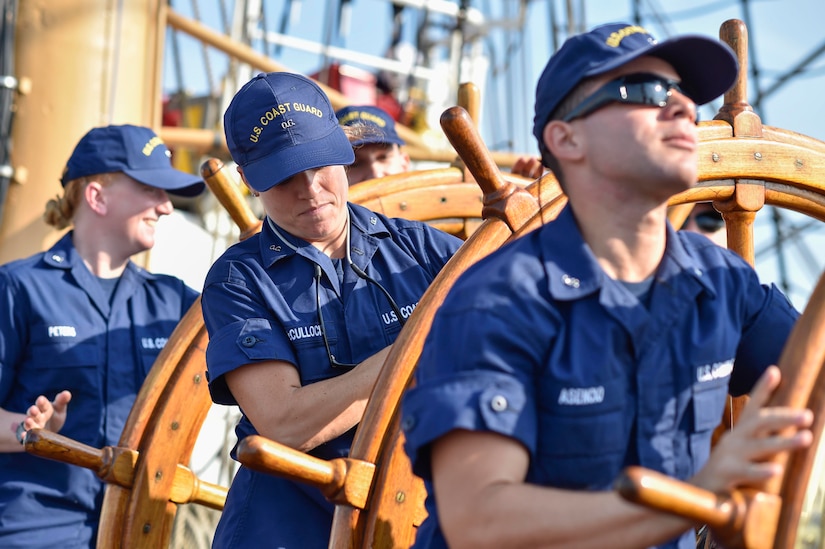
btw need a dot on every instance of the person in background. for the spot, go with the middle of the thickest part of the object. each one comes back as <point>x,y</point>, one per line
<point>605,338</point>
<point>80,327</point>
<point>704,219</point>
<point>302,315</point>
<point>379,151</point>
<point>528,166</point>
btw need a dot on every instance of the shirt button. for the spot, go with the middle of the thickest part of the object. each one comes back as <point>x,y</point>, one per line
<point>498,403</point>
<point>249,341</point>
<point>57,258</point>
<point>407,423</point>
<point>571,281</point>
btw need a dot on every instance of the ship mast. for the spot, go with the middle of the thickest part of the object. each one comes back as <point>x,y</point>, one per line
<point>78,64</point>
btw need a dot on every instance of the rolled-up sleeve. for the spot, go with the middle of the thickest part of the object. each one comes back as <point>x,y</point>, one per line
<point>476,401</point>
<point>241,342</point>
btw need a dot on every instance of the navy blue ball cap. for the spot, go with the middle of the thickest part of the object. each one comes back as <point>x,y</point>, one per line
<point>136,151</point>
<point>380,123</point>
<point>280,124</point>
<point>707,67</point>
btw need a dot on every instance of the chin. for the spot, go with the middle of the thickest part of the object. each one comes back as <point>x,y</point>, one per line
<point>144,244</point>
<point>682,181</point>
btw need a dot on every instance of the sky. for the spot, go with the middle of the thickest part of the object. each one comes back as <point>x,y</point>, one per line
<point>513,48</point>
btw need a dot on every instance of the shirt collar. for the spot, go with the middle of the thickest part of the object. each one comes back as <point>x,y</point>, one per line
<point>63,255</point>
<point>678,260</point>
<point>366,227</point>
<point>572,269</point>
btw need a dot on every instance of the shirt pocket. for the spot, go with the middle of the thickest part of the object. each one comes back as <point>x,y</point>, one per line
<point>149,348</point>
<point>391,322</point>
<point>53,367</point>
<point>311,354</point>
<point>708,400</point>
<point>584,436</point>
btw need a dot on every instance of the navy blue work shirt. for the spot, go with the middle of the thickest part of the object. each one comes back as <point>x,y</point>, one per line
<point>59,331</point>
<point>259,304</point>
<point>569,363</point>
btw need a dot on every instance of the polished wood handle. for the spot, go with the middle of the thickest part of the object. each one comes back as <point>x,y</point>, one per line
<point>461,131</point>
<point>223,185</point>
<point>658,491</point>
<point>342,480</point>
<point>744,519</point>
<point>116,465</point>
<point>502,199</point>
<point>50,445</point>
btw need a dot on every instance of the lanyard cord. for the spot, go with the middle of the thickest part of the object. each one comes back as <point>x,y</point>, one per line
<point>355,268</point>
<point>361,274</point>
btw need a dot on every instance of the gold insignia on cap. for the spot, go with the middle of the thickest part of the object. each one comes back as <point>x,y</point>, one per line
<point>615,38</point>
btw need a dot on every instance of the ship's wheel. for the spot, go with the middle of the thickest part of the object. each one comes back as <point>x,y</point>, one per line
<point>146,473</point>
<point>743,167</point>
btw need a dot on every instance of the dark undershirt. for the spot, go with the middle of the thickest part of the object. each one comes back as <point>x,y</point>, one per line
<point>339,268</point>
<point>640,289</point>
<point>109,285</point>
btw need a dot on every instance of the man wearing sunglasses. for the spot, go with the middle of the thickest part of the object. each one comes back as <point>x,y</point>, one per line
<point>704,219</point>
<point>302,315</point>
<point>605,338</point>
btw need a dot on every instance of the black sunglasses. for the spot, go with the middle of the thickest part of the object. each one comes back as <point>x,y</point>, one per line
<point>709,221</point>
<point>632,89</point>
<point>358,271</point>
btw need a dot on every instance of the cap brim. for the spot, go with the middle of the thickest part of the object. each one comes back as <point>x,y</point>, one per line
<point>707,68</point>
<point>378,141</point>
<point>332,150</point>
<point>170,180</point>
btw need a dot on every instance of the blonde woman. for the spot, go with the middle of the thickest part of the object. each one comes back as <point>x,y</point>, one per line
<point>80,326</point>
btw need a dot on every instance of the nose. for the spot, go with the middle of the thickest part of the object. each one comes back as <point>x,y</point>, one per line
<point>679,104</point>
<point>164,206</point>
<point>376,170</point>
<point>308,183</point>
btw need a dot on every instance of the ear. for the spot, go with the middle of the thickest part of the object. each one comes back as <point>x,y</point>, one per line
<point>252,191</point>
<point>95,197</point>
<point>562,139</point>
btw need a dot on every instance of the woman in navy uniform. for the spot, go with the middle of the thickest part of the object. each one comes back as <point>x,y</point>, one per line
<point>603,339</point>
<point>301,316</point>
<point>80,327</point>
